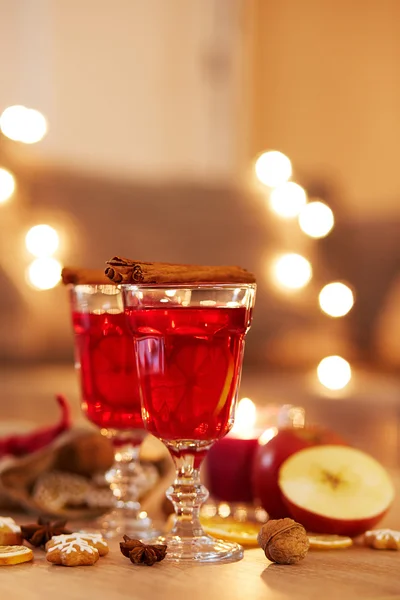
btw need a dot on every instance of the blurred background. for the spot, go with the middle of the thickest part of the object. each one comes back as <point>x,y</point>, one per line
<point>255,132</point>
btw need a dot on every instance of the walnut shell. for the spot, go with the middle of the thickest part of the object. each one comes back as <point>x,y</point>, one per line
<point>284,541</point>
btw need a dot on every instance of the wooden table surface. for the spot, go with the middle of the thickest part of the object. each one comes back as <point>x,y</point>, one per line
<point>353,573</point>
<point>336,574</point>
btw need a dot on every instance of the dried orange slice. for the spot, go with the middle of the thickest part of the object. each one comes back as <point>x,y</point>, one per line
<point>329,542</point>
<point>244,533</point>
<point>15,555</point>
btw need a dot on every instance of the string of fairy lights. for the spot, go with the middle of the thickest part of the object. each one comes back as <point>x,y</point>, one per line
<point>24,125</point>
<point>292,271</point>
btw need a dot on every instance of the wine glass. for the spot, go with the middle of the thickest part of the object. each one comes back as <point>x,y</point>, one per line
<point>105,359</point>
<point>189,343</point>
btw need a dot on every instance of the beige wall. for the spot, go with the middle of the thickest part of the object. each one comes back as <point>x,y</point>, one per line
<point>133,87</point>
<point>327,93</point>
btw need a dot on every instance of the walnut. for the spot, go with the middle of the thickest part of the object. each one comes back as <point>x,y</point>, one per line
<point>284,541</point>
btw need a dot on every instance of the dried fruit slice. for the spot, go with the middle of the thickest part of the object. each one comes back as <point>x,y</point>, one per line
<point>15,555</point>
<point>329,542</point>
<point>244,533</point>
<point>197,370</point>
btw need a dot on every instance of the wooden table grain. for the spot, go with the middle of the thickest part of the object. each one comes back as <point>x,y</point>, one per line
<point>331,575</point>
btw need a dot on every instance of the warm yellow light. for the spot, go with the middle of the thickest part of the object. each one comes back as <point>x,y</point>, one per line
<point>288,199</point>
<point>336,299</point>
<point>273,168</point>
<point>7,185</point>
<point>44,273</point>
<point>267,435</point>
<point>291,271</point>
<point>224,510</point>
<point>334,372</point>
<point>41,240</point>
<point>23,124</point>
<point>316,219</point>
<point>245,418</point>
<point>12,122</point>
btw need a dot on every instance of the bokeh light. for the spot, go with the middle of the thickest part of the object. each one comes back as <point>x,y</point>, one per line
<point>42,240</point>
<point>273,168</point>
<point>267,435</point>
<point>336,299</point>
<point>44,273</point>
<point>288,199</point>
<point>316,219</point>
<point>7,185</point>
<point>291,271</point>
<point>22,124</point>
<point>334,372</point>
<point>245,418</point>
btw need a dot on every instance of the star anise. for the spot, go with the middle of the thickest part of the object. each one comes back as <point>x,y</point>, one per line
<point>38,534</point>
<point>140,553</point>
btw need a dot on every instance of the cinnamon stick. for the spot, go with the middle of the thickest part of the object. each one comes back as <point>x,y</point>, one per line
<point>80,276</point>
<point>124,270</point>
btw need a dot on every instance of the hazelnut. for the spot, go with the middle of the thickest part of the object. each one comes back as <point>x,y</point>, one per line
<point>284,541</point>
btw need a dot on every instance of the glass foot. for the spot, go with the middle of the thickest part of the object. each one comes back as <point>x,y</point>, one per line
<point>115,524</point>
<point>199,549</point>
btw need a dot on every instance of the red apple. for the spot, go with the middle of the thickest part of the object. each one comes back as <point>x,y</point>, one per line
<point>269,457</point>
<point>335,490</point>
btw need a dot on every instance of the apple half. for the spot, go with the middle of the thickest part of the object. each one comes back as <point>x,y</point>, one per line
<point>335,489</point>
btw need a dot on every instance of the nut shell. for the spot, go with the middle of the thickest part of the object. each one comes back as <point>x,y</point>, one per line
<point>284,541</point>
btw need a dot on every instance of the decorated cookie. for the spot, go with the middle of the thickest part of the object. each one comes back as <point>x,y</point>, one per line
<point>10,532</point>
<point>382,539</point>
<point>95,540</point>
<point>71,551</point>
<point>15,555</point>
<point>99,498</point>
<point>55,490</point>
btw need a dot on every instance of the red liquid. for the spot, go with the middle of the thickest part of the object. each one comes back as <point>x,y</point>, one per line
<point>190,364</point>
<point>109,381</point>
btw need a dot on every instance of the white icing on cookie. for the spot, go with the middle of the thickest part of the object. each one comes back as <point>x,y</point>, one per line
<point>69,543</point>
<point>96,538</point>
<point>383,535</point>
<point>9,523</point>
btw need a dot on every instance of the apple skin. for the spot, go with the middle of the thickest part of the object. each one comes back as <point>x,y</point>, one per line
<point>314,523</point>
<point>269,457</point>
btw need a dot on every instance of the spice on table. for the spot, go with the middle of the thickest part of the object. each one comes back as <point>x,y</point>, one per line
<point>284,541</point>
<point>140,553</point>
<point>38,534</point>
<point>320,541</point>
<point>15,555</point>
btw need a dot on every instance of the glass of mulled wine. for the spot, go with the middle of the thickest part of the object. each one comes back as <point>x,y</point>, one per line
<point>189,342</point>
<point>105,359</point>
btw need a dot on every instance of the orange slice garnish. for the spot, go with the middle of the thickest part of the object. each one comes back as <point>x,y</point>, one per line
<point>197,370</point>
<point>329,542</point>
<point>244,533</point>
<point>15,555</point>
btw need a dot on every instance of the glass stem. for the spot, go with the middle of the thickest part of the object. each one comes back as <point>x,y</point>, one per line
<point>124,478</point>
<point>187,494</point>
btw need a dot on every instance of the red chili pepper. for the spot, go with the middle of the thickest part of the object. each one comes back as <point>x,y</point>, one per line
<point>19,445</point>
